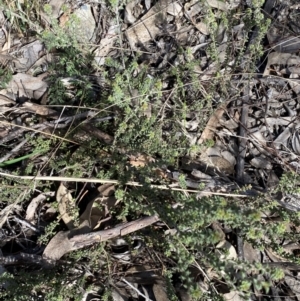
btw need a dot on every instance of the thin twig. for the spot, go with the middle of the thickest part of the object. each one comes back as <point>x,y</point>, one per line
<point>37,128</point>
<point>243,133</point>
<point>103,181</point>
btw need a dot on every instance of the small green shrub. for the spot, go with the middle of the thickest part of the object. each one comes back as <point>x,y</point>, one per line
<point>148,122</point>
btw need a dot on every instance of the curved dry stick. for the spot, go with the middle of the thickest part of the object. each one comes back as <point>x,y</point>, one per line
<point>83,240</point>
<point>66,241</point>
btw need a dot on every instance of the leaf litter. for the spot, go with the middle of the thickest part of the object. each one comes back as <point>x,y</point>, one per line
<point>255,133</point>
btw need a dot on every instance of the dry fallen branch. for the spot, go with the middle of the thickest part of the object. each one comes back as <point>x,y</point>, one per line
<point>84,240</point>
<point>65,242</point>
<point>61,244</point>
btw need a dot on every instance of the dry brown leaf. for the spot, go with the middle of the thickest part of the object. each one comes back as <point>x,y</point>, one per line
<point>192,8</point>
<point>91,215</point>
<point>98,134</point>
<point>66,206</point>
<point>107,189</point>
<point>55,10</point>
<point>58,246</point>
<point>289,44</point>
<point>5,213</point>
<point>106,43</point>
<point>3,133</point>
<point>87,23</point>
<point>233,296</point>
<point>146,28</point>
<point>7,44</point>
<point>183,294</point>
<point>202,27</point>
<point>215,160</point>
<point>5,59</point>
<point>221,5</point>
<point>213,122</point>
<point>28,55</point>
<point>250,254</point>
<point>119,294</point>
<point>63,19</point>
<point>140,160</point>
<point>218,229</point>
<point>274,256</point>
<point>28,107</point>
<point>161,173</point>
<point>129,18</point>
<point>160,292</point>
<point>99,208</point>
<point>4,100</point>
<point>261,162</point>
<point>219,163</point>
<point>42,61</point>
<point>50,213</point>
<point>174,9</point>
<point>295,83</point>
<point>99,215</point>
<point>142,274</point>
<point>277,58</point>
<point>229,157</point>
<point>33,205</point>
<point>230,249</point>
<point>26,85</point>
<point>39,109</point>
<point>85,217</point>
<point>293,283</point>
